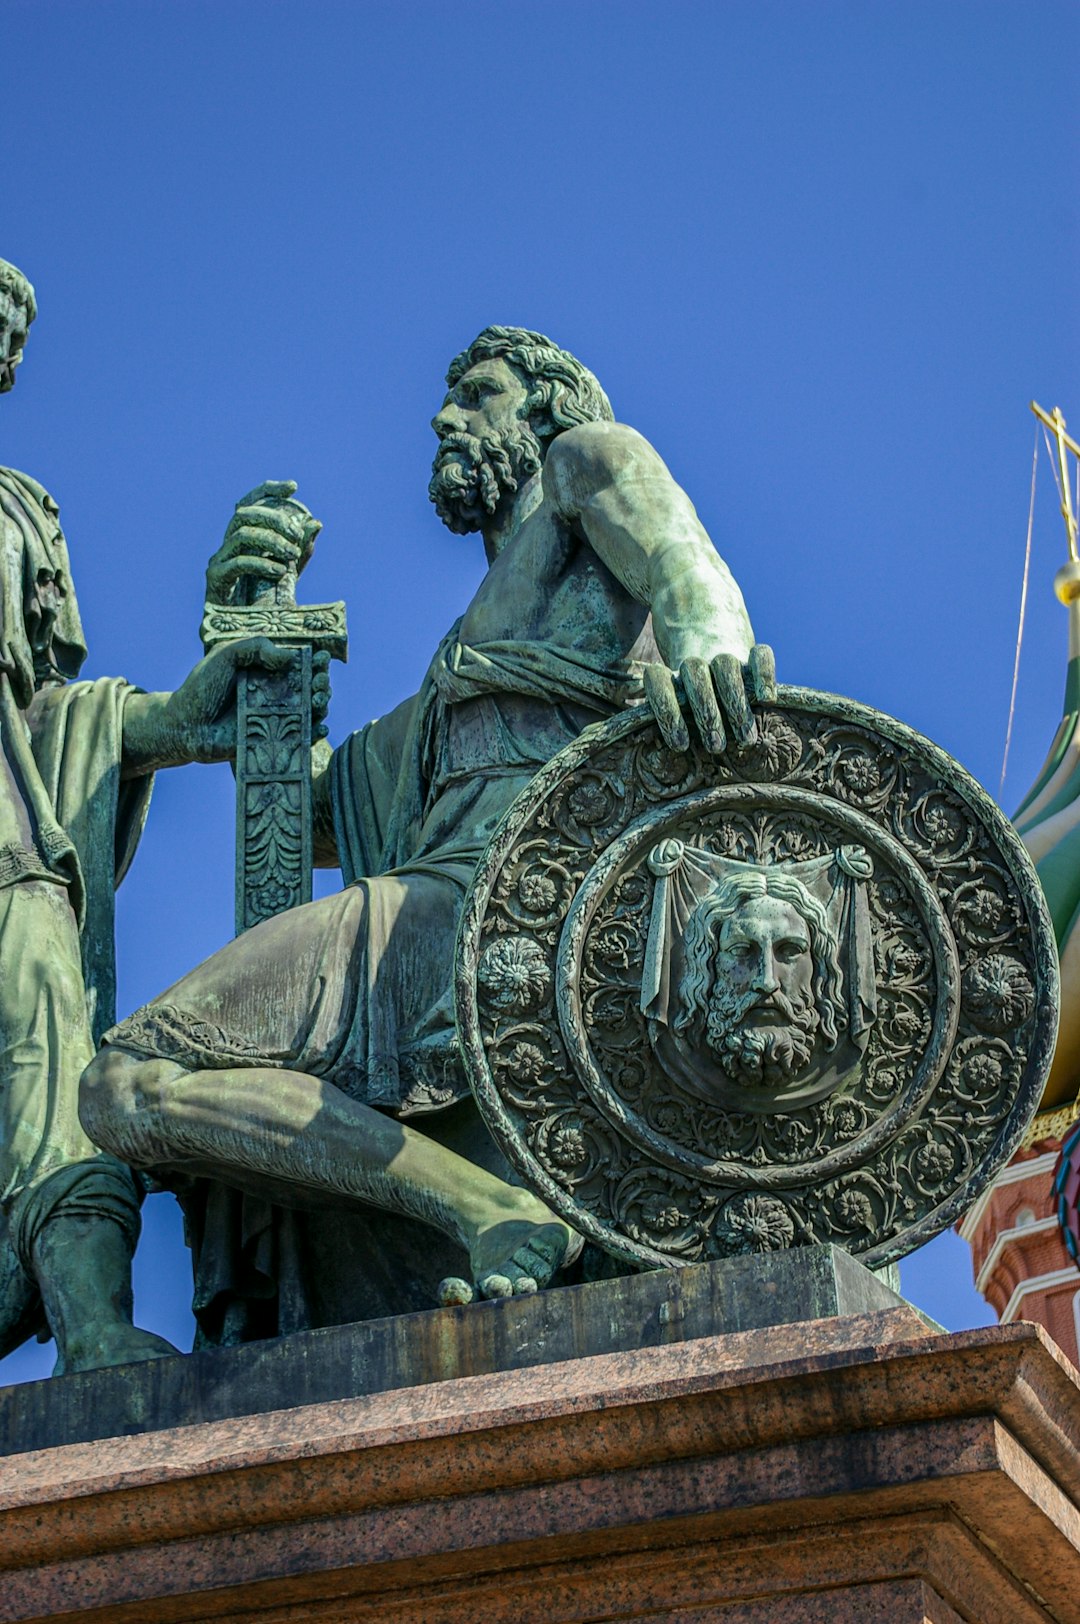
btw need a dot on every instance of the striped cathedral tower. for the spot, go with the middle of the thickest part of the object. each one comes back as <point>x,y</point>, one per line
<point>1025,1230</point>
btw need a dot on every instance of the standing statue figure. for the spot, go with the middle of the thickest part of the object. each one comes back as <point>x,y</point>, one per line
<point>295,1061</point>
<point>76,767</point>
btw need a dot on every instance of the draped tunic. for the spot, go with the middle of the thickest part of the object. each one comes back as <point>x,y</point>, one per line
<point>69,827</point>
<point>363,981</point>
<point>65,815</point>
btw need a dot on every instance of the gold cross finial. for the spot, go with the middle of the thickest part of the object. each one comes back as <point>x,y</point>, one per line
<point>1055,422</point>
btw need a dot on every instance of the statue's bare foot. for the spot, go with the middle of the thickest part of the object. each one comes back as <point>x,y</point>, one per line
<point>516,1251</point>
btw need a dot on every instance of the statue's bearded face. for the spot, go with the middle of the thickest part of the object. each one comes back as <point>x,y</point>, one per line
<point>761,1019</point>
<point>13,326</point>
<point>486,446</point>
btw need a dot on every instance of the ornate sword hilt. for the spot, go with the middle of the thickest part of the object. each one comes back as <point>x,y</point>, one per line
<point>274,835</point>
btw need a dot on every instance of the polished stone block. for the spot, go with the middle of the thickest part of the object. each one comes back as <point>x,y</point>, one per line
<point>847,1469</point>
<point>409,1350</point>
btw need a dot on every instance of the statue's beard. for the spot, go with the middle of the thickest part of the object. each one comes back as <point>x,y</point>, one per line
<point>470,476</point>
<point>758,1054</point>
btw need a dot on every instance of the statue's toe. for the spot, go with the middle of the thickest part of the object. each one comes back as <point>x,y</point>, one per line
<point>529,1268</point>
<point>504,1269</point>
<point>453,1292</point>
<point>574,1248</point>
<point>496,1285</point>
<point>541,1255</point>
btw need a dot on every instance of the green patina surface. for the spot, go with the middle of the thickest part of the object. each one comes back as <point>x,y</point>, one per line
<point>304,1089</point>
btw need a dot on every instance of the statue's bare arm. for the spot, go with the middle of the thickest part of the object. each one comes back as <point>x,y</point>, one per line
<point>607,481</point>
<point>198,721</point>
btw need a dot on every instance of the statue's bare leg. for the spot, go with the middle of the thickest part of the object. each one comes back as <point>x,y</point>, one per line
<point>299,1138</point>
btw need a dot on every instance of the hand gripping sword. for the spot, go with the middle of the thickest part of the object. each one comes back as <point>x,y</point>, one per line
<point>273,741</point>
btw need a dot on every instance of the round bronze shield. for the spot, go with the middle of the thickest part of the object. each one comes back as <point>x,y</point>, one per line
<point>802,992</point>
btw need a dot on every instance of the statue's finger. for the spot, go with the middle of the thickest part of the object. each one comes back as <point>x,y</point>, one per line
<point>277,489</point>
<point>248,564</point>
<point>277,521</point>
<point>663,702</point>
<point>728,677</point>
<point>269,518</point>
<point>225,574</point>
<point>259,538</point>
<point>259,651</point>
<point>261,544</point>
<point>320,660</point>
<point>698,687</point>
<point>295,512</point>
<point>762,667</point>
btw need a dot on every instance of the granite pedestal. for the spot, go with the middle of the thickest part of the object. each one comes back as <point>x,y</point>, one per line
<point>612,1457</point>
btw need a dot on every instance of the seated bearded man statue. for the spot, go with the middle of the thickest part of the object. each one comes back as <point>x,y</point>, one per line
<point>294,1062</point>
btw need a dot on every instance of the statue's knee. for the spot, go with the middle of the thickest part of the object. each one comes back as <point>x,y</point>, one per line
<point>107,1096</point>
<point>128,1105</point>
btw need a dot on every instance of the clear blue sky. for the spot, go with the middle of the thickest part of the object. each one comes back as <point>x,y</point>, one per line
<point>821,255</point>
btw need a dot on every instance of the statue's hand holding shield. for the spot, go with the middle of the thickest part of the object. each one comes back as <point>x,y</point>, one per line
<point>716,695</point>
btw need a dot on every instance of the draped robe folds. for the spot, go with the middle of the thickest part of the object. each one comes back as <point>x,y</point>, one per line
<point>416,797</point>
<point>68,831</point>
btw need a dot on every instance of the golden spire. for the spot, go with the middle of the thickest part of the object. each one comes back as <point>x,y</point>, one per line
<point>1067,579</point>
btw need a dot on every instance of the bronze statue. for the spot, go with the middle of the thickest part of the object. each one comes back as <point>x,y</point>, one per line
<point>633,946</point>
<point>603,589</point>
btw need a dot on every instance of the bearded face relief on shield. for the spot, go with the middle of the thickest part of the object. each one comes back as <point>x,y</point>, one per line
<point>757,985</point>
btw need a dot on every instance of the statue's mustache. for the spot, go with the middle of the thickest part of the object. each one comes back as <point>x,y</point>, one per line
<point>466,444</point>
<point>737,1006</point>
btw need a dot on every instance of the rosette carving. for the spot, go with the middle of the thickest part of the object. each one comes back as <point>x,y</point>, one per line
<point>514,975</point>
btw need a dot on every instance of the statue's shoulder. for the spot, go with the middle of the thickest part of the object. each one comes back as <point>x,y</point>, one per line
<point>590,455</point>
<point>27,490</point>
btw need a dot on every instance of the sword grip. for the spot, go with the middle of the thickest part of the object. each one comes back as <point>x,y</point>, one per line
<point>274,852</point>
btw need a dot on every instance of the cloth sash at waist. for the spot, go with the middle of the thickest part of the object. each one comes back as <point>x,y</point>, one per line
<point>459,672</point>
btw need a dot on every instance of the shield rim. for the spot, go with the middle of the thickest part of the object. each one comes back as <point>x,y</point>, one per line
<point>944,768</point>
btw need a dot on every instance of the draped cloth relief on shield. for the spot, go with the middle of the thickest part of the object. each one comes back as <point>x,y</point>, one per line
<point>758,981</point>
